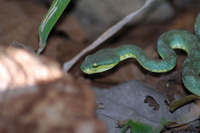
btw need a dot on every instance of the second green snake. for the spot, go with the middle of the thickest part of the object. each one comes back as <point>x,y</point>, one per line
<point>178,39</point>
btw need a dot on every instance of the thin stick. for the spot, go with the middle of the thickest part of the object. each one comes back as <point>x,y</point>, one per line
<point>107,34</point>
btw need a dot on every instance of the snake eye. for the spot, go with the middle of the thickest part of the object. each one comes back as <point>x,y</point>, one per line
<point>95,65</point>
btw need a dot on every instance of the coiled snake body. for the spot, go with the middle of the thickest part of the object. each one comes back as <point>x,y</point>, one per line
<point>105,59</point>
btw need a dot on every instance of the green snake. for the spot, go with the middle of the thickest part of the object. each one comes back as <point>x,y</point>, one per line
<point>106,59</point>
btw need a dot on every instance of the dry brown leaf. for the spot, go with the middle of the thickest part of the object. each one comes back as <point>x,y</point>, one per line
<point>20,68</point>
<point>185,20</point>
<point>63,106</point>
<point>72,28</point>
<point>20,21</point>
<point>11,15</point>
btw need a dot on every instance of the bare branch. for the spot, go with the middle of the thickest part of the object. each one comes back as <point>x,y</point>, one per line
<point>107,34</point>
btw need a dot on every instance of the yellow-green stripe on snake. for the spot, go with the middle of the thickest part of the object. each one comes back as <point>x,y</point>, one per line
<point>106,59</point>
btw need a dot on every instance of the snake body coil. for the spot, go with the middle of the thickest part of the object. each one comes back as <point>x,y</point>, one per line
<point>178,39</point>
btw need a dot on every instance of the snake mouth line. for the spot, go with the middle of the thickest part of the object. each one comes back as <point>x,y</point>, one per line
<point>98,69</point>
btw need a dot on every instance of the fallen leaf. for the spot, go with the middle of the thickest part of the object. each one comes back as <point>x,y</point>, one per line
<point>127,101</point>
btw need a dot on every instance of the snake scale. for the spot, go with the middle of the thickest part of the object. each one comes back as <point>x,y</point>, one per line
<point>106,59</point>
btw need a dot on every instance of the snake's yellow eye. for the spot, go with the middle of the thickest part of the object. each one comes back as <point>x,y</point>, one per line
<point>95,65</point>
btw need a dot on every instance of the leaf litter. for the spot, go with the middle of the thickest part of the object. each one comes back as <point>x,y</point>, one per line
<point>127,101</point>
<point>147,114</point>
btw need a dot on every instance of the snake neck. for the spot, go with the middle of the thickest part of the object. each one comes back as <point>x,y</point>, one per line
<point>128,51</point>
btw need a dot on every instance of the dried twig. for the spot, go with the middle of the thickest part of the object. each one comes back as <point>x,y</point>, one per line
<point>107,34</point>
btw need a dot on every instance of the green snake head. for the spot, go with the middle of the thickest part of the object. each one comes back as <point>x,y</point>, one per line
<point>100,61</point>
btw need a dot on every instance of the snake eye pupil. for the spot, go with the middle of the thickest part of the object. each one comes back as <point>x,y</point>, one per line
<point>94,65</point>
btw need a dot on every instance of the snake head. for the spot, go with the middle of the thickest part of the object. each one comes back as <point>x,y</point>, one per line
<point>100,61</point>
